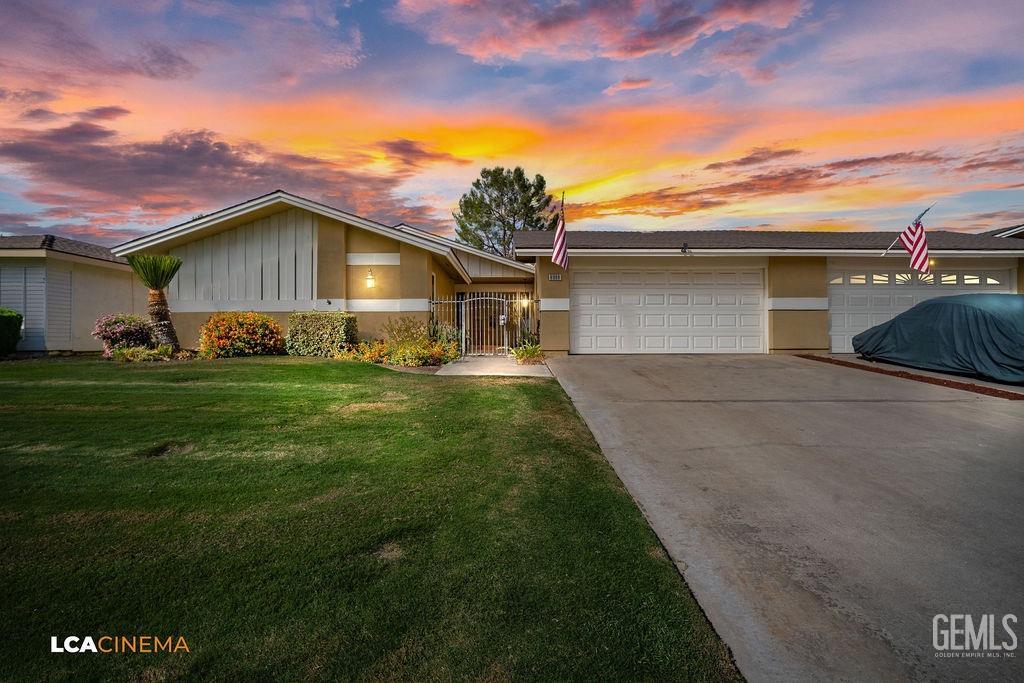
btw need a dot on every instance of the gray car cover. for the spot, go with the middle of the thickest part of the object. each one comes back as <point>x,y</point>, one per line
<point>968,334</point>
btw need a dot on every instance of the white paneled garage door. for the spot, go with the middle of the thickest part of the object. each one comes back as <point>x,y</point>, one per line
<point>859,299</point>
<point>667,311</point>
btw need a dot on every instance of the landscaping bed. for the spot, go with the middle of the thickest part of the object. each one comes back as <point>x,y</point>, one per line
<point>299,518</point>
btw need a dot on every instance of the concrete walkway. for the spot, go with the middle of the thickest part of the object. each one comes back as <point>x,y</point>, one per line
<point>822,515</point>
<point>501,366</point>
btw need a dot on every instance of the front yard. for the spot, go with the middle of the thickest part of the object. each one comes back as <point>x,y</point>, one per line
<point>299,519</point>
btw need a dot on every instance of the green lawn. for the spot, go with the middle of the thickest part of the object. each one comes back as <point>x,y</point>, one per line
<point>299,519</point>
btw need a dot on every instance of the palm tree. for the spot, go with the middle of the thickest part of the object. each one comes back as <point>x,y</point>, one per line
<point>156,272</point>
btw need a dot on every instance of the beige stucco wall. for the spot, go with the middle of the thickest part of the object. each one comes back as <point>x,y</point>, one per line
<point>98,290</point>
<point>797,330</point>
<point>1020,276</point>
<point>330,269</point>
<point>554,325</point>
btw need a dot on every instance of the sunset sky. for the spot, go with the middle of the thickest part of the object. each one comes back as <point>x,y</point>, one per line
<point>121,117</point>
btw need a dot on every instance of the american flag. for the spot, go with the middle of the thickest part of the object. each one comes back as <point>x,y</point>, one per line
<point>914,241</point>
<point>559,252</point>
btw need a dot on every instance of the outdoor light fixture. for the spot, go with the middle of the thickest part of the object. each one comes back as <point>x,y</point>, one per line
<point>371,281</point>
<point>524,302</point>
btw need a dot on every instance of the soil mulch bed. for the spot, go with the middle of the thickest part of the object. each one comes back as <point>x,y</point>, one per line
<point>942,382</point>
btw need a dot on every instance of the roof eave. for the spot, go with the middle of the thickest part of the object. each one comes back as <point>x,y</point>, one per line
<point>767,252</point>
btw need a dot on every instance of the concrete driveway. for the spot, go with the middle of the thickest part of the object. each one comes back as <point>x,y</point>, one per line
<point>822,515</point>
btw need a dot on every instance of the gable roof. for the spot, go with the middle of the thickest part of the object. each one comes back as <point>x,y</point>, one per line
<point>279,198</point>
<point>59,244</point>
<point>533,243</point>
<point>455,244</point>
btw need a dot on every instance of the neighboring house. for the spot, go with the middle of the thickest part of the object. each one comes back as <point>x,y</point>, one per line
<point>61,286</point>
<point>281,253</point>
<point>1012,231</point>
<point>743,291</point>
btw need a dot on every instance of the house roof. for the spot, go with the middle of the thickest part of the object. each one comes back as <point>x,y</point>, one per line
<point>1011,231</point>
<point>280,199</point>
<point>59,244</point>
<point>530,243</point>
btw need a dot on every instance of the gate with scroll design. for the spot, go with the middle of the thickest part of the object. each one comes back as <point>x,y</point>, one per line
<point>486,323</point>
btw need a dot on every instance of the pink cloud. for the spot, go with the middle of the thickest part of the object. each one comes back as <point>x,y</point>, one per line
<point>628,84</point>
<point>494,31</point>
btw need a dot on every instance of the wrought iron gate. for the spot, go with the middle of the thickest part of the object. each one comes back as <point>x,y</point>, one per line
<point>486,323</point>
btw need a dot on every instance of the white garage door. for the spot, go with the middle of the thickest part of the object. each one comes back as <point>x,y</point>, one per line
<point>667,311</point>
<point>859,299</point>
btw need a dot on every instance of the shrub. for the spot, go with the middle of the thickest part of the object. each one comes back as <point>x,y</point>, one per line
<point>10,330</point>
<point>122,330</point>
<point>528,354</point>
<point>444,332</point>
<point>408,355</point>
<point>405,330</point>
<point>143,354</point>
<point>320,333</point>
<point>226,335</point>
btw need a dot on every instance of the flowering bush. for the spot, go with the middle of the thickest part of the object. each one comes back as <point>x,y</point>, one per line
<point>122,330</point>
<point>226,335</point>
<point>407,354</point>
<point>143,354</point>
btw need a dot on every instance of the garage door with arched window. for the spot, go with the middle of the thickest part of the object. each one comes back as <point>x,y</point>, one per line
<point>860,298</point>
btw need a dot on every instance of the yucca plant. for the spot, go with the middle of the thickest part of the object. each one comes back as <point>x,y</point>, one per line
<point>156,272</point>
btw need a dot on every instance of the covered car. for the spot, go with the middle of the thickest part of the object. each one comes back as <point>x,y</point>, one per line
<point>968,334</point>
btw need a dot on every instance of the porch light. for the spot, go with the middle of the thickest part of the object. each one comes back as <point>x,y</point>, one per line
<point>524,302</point>
<point>371,281</point>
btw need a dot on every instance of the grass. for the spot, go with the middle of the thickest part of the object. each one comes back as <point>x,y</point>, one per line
<point>302,519</point>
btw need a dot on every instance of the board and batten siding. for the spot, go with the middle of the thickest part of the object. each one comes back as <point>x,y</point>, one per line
<point>266,265</point>
<point>23,289</point>
<point>479,267</point>
<point>59,291</point>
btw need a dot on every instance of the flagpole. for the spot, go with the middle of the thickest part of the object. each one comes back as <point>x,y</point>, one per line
<point>916,220</point>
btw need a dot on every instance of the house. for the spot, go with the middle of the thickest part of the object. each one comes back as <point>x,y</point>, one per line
<point>746,291</point>
<point>61,286</point>
<point>1012,231</point>
<point>280,253</point>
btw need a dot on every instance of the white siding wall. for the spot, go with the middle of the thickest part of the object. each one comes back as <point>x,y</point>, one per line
<point>478,266</point>
<point>23,289</point>
<point>263,265</point>
<point>58,306</point>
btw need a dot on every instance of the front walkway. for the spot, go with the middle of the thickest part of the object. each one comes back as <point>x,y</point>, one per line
<point>502,366</point>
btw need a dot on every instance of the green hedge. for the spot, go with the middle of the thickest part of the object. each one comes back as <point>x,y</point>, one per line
<point>320,333</point>
<point>10,330</point>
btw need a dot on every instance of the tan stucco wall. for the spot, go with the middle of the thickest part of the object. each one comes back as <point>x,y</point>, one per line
<point>330,268</point>
<point>98,290</point>
<point>554,325</point>
<point>797,277</point>
<point>370,324</point>
<point>1020,276</point>
<point>443,283</point>
<point>792,331</point>
<point>415,273</point>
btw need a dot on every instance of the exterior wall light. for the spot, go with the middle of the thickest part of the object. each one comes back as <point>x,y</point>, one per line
<point>371,281</point>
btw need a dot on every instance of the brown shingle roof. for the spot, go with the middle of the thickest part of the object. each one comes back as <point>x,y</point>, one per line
<point>755,239</point>
<point>61,244</point>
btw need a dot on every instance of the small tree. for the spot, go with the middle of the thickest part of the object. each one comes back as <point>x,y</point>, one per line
<point>156,272</point>
<point>500,202</point>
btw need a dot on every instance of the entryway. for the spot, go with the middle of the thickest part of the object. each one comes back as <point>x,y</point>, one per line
<point>486,323</point>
